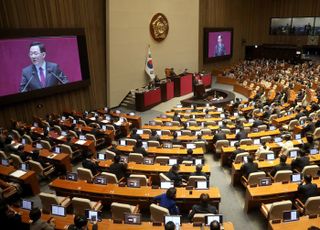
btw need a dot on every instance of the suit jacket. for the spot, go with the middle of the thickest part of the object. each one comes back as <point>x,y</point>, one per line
<point>219,136</point>
<point>307,190</point>
<point>300,162</point>
<point>119,169</point>
<point>176,178</point>
<point>200,208</point>
<point>94,168</point>
<point>248,168</point>
<point>41,225</point>
<point>30,73</point>
<point>241,135</point>
<point>279,167</point>
<point>219,50</point>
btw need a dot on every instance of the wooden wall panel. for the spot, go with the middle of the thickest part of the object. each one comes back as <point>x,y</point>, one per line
<point>88,14</point>
<point>250,20</point>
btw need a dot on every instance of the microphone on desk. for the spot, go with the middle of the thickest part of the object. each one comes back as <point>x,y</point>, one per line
<point>25,87</point>
<point>57,77</point>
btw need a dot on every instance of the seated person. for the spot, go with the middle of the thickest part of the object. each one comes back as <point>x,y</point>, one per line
<point>173,175</point>
<point>188,157</point>
<point>309,127</point>
<point>113,148</point>
<point>176,117</point>
<point>235,152</point>
<point>91,164</point>
<point>118,168</point>
<point>80,222</point>
<point>300,162</point>
<point>167,200</point>
<point>306,189</point>
<point>35,156</point>
<point>282,166</point>
<point>154,136</point>
<point>219,136</point>
<point>310,144</point>
<point>262,148</point>
<point>242,134</point>
<point>215,225</point>
<point>70,143</point>
<point>249,167</point>
<point>175,141</point>
<point>203,207</point>
<point>287,145</point>
<point>199,172</point>
<point>9,218</point>
<point>21,153</point>
<point>134,134</point>
<point>139,149</point>
<point>37,223</point>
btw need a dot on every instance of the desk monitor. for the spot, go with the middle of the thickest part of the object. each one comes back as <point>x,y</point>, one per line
<point>220,123</point>
<point>256,141</point>
<point>38,146</point>
<point>145,144</point>
<point>167,145</point>
<point>102,156</point>
<point>122,142</point>
<point>74,121</point>
<point>245,159</point>
<point>270,157</point>
<point>313,151</point>
<point>63,133</point>
<point>159,132</point>
<point>293,154</point>
<point>179,133</point>
<point>179,106</point>
<point>297,177</point>
<point>168,123</point>
<point>191,146</point>
<point>82,137</point>
<point>140,131</point>
<point>124,159</point>
<point>5,162</point>
<point>237,131</point>
<point>198,133</point>
<point>302,122</point>
<point>26,204</point>
<point>58,210</point>
<point>198,161</point>
<point>35,124</point>
<point>265,181</point>
<point>277,139</point>
<point>24,167</point>
<point>203,184</point>
<point>272,128</point>
<point>152,123</point>
<point>57,149</point>
<point>236,114</point>
<point>251,120</point>
<point>173,161</point>
<point>210,218</point>
<point>100,180</point>
<point>222,115</point>
<point>175,219</point>
<point>133,183</point>
<point>292,215</point>
<point>297,136</point>
<point>72,176</point>
<point>104,127</point>
<point>166,184</point>
<point>92,215</point>
<point>148,161</point>
<point>132,218</point>
<point>108,118</point>
<point>232,143</point>
<point>23,141</point>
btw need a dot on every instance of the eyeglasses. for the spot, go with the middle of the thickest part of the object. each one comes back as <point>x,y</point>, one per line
<point>34,53</point>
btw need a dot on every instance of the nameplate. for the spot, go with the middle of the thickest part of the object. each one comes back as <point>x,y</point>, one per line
<point>285,182</point>
<point>117,221</point>
<point>197,224</point>
<point>313,216</point>
<point>189,188</point>
<point>156,224</point>
<point>155,186</point>
<point>276,221</point>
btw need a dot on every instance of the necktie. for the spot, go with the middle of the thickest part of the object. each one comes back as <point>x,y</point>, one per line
<point>42,78</point>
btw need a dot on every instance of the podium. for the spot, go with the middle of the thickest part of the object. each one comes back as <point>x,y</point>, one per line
<point>183,85</point>
<point>167,90</point>
<point>148,99</point>
<point>199,91</point>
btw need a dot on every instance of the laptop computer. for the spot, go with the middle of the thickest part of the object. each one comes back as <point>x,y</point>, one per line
<point>265,181</point>
<point>132,218</point>
<point>296,177</point>
<point>202,184</point>
<point>166,184</point>
<point>214,217</point>
<point>292,215</point>
<point>58,210</point>
<point>26,204</point>
<point>133,183</point>
<point>175,219</point>
<point>72,176</point>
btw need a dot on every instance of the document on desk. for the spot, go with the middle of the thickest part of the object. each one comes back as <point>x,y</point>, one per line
<point>81,142</point>
<point>18,173</point>
<point>52,155</point>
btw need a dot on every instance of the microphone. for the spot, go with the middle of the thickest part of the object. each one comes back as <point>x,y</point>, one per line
<point>25,87</point>
<point>57,77</point>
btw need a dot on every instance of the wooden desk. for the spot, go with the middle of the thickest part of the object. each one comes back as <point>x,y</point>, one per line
<point>267,194</point>
<point>302,224</point>
<point>242,90</point>
<point>282,120</point>
<point>142,196</point>
<point>107,224</point>
<point>61,159</point>
<point>135,120</point>
<point>163,151</point>
<point>29,179</point>
<point>159,127</point>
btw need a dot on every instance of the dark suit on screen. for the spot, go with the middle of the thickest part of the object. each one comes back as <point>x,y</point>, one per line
<point>30,72</point>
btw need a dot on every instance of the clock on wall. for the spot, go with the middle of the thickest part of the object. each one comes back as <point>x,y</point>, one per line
<point>159,27</point>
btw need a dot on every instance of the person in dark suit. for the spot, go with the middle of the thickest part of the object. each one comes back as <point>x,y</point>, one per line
<point>173,175</point>
<point>249,167</point>
<point>188,157</point>
<point>92,165</point>
<point>300,162</point>
<point>310,144</point>
<point>139,149</point>
<point>113,148</point>
<point>235,152</point>
<point>308,128</point>
<point>242,134</point>
<point>118,168</point>
<point>219,136</point>
<point>282,166</point>
<point>167,200</point>
<point>175,141</point>
<point>199,172</point>
<point>203,207</point>
<point>40,74</point>
<point>134,134</point>
<point>37,223</point>
<point>154,136</point>
<point>306,189</point>
<point>80,222</point>
<point>219,49</point>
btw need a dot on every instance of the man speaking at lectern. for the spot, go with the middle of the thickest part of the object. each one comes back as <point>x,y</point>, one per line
<point>40,74</point>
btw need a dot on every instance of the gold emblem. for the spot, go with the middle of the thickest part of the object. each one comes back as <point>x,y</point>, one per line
<point>159,27</point>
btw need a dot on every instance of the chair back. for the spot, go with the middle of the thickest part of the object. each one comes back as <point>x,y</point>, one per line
<point>311,170</point>
<point>193,180</point>
<point>153,144</point>
<point>91,137</point>
<point>254,178</point>
<point>46,144</point>
<point>16,160</point>
<point>158,213</point>
<point>164,178</point>
<point>110,155</point>
<point>135,157</point>
<point>36,167</point>
<point>312,205</point>
<point>80,205</point>
<point>277,209</point>
<point>163,160</point>
<point>111,178</point>
<point>246,141</point>
<point>220,144</point>
<point>47,199</point>
<point>119,209</point>
<point>143,179</point>
<point>130,141</point>
<point>200,217</point>
<point>240,156</point>
<point>282,175</point>
<point>27,138</point>
<point>84,174</point>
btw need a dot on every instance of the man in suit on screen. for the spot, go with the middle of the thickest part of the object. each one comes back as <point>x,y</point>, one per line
<point>219,49</point>
<point>40,74</point>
